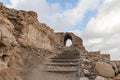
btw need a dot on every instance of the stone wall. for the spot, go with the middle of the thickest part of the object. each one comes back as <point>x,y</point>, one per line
<point>76,41</point>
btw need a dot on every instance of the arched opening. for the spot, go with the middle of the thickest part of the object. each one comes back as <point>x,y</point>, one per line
<point>67,40</point>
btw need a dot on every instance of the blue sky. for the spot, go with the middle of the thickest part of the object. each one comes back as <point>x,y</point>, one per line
<point>5,1</point>
<point>63,2</point>
<point>95,21</point>
<point>86,19</point>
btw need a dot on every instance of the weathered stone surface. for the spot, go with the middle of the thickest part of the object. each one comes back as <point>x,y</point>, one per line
<point>3,65</point>
<point>117,77</point>
<point>119,69</point>
<point>1,4</point>
<point>104,69</point>
<point>6,35</point>
<point>100,78</point>
<point>114,66</point>
<point>84,78</point>
<point>18,78</point>
<point>86,72</point>
<point>33,14</point>
<point>0,36</point>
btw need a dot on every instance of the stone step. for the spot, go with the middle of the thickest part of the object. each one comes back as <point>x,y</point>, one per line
<point>62,64</point>
<point>60,69</point>
<point>65,57</point>
<point>65,60</point>
<point>68,54</point>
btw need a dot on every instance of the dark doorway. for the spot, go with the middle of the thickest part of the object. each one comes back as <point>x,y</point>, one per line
<point>67,40</point>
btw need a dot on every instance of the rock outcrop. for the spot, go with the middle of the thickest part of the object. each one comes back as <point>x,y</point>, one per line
<point>26,44</point>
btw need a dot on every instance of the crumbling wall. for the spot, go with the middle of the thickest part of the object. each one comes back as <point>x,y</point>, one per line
<point>76,41</point>
<point>26,28</point>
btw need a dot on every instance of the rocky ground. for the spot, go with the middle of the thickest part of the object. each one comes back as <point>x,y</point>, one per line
<point>26,45</point>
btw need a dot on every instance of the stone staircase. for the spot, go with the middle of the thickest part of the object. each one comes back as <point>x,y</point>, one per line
<point>65,62</point>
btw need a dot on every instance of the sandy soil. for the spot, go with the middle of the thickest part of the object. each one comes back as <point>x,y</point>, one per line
<point>39,74</point>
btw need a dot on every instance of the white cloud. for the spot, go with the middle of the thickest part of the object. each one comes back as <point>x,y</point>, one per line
<point>103,31</point>
<point>68,42</point>
<point>76,32</point>
<point>114,54</point>
<point>107,20</point>
<point>53,15</point>
<point>94,41</point>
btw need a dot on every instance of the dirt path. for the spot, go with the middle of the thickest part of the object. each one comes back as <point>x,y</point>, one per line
<point>39,73</point>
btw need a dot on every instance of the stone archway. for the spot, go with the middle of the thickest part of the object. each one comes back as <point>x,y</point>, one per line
<point>66,38</point>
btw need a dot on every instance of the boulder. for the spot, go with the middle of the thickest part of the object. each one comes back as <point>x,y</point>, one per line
<point>86,72</point>
<point>84,78</point>
<point>104,69</point>
<point>114,66</point>
<point>100,78</point>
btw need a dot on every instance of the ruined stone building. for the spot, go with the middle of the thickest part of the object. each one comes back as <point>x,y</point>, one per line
<point>30,50</point>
